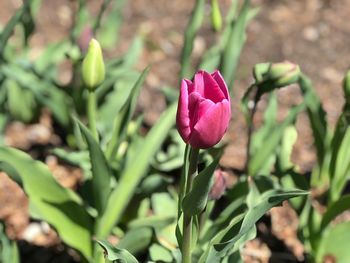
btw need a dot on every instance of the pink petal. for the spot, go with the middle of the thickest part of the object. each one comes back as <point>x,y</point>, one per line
<point>212,126</point>
<point>221,82</point>
<point>212,89</point>
<point>182,115</point>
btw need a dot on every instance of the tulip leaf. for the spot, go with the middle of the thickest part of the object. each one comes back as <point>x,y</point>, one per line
<point>21,102</point>
<point>136,240</point>
<point>190,33</point>
<point>195,201</point>
<point>133,174</point>
<point>317,116</point>
<point>335,244</point>
<point>235,42</point>
<point>160,254</point>
<point>340,170</point>
<point>44,91</point>
<point>261,155</point>
<point>124,115</point>
<point>59,206</point>
<point>101,173</point>
<point>264,203</point>
<point>335,209</point>
<point>10,26</point>
<point>8,248</point>
<point>116,254</point>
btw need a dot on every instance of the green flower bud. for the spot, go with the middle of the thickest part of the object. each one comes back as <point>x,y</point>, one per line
<point>346,87</point>
<point>216,19</point>
<point>93,69</point>
<point>283,74</point>
<point>260,70</point>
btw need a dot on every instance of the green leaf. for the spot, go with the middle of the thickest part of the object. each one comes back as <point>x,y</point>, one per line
<point>21,102</point>
<point>270,144</point>
<point>59,206</point>
<point>133,174</point>
<point>116,254</point>
<point>340,168</point>
<point>8,248</point>
<point>335,244</point>
<point>8,29</point>
<point>190,33</point>
<point>195,201</point>
<point>317,116</point>
<point>108,34</point>
<point>235,43</point>
<point>285,152</point>
<point>160,254</point>
<point>101,173</point>
<point>136,240</point>
<point>335,209</point>
<point>124,116</point>
<point>267,200</point>
<point>44,91</point>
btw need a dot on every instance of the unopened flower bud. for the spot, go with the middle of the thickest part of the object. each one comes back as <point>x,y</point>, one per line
<point>93,69</point>
<point>283,74</point>
<point>219,186</point>
<point>216,19</point>
<point>346,87</point>
<point>260,70</point>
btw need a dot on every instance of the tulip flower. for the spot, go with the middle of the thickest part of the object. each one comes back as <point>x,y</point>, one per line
<point>204,110</point>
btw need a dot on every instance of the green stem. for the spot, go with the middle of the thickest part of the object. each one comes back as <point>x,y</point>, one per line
<point>187,223</point>
<point>91,112</point>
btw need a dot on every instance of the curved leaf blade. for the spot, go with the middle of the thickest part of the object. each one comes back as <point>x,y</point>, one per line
<point>59,206</point>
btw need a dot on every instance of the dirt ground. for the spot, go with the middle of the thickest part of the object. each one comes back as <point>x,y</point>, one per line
<point>312,33</point>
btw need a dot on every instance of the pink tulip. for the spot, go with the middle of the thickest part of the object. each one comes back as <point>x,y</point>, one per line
<point>204,110</point>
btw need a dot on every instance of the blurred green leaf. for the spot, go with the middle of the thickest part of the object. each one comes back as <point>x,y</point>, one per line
<point>124,115</point>
<point>335,244</point>
<point>195,201</point>
<point>101,173</point>
<point>27,20</point>
<point>116,254</point>
<point>8,248</point>
<point>21,102</point>
<point>235,43</point>
<point>79,158</point>
<point>160,254</point>
<point>132,174</point>
<point>317,116</point>
<point>285,151</point>
<point>340,171</point>
<point>51,56</point>
<point>136,240</point>
<point>108,33</point>
<point>211,58</point>
<point>190,33</point>
<point>59,206</point>
<point>45,92</point>
<point>8,29</point>
<point>260,157</point>
<point>335,209</point>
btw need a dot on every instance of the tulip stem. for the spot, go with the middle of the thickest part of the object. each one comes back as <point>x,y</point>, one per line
<point>187,221</point>
<point>251,126</point>
<point>91,112</point>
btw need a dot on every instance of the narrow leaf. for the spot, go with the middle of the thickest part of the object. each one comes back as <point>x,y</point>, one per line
<point>116,254</point>
<point>59,206</point>
<point>101,174</point>
<point>133,174</point>
<point>195,201</point>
